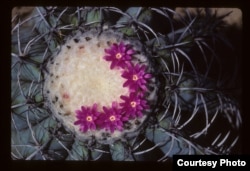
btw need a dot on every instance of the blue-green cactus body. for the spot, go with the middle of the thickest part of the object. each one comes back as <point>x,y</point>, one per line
<point>190,101</point>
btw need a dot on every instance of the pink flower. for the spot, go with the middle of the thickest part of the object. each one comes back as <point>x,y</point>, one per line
<point>118,54</point>
<point>111,119</point>
<point>136,77</point>
<point>87,117</point>
<point>133,105</point>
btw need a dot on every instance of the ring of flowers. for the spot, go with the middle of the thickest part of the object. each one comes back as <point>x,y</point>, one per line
<point>113,118</point>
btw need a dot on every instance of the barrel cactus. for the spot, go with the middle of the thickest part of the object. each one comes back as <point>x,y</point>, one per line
<point>122,84</point>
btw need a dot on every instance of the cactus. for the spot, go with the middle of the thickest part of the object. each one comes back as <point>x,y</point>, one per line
<point>103,83</point>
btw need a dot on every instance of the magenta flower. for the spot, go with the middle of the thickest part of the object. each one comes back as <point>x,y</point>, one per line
<point>118,54</point>
<point>136,77</point>
<point>111,119</point>
<point>87,117</point>
<point>133,105</point>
